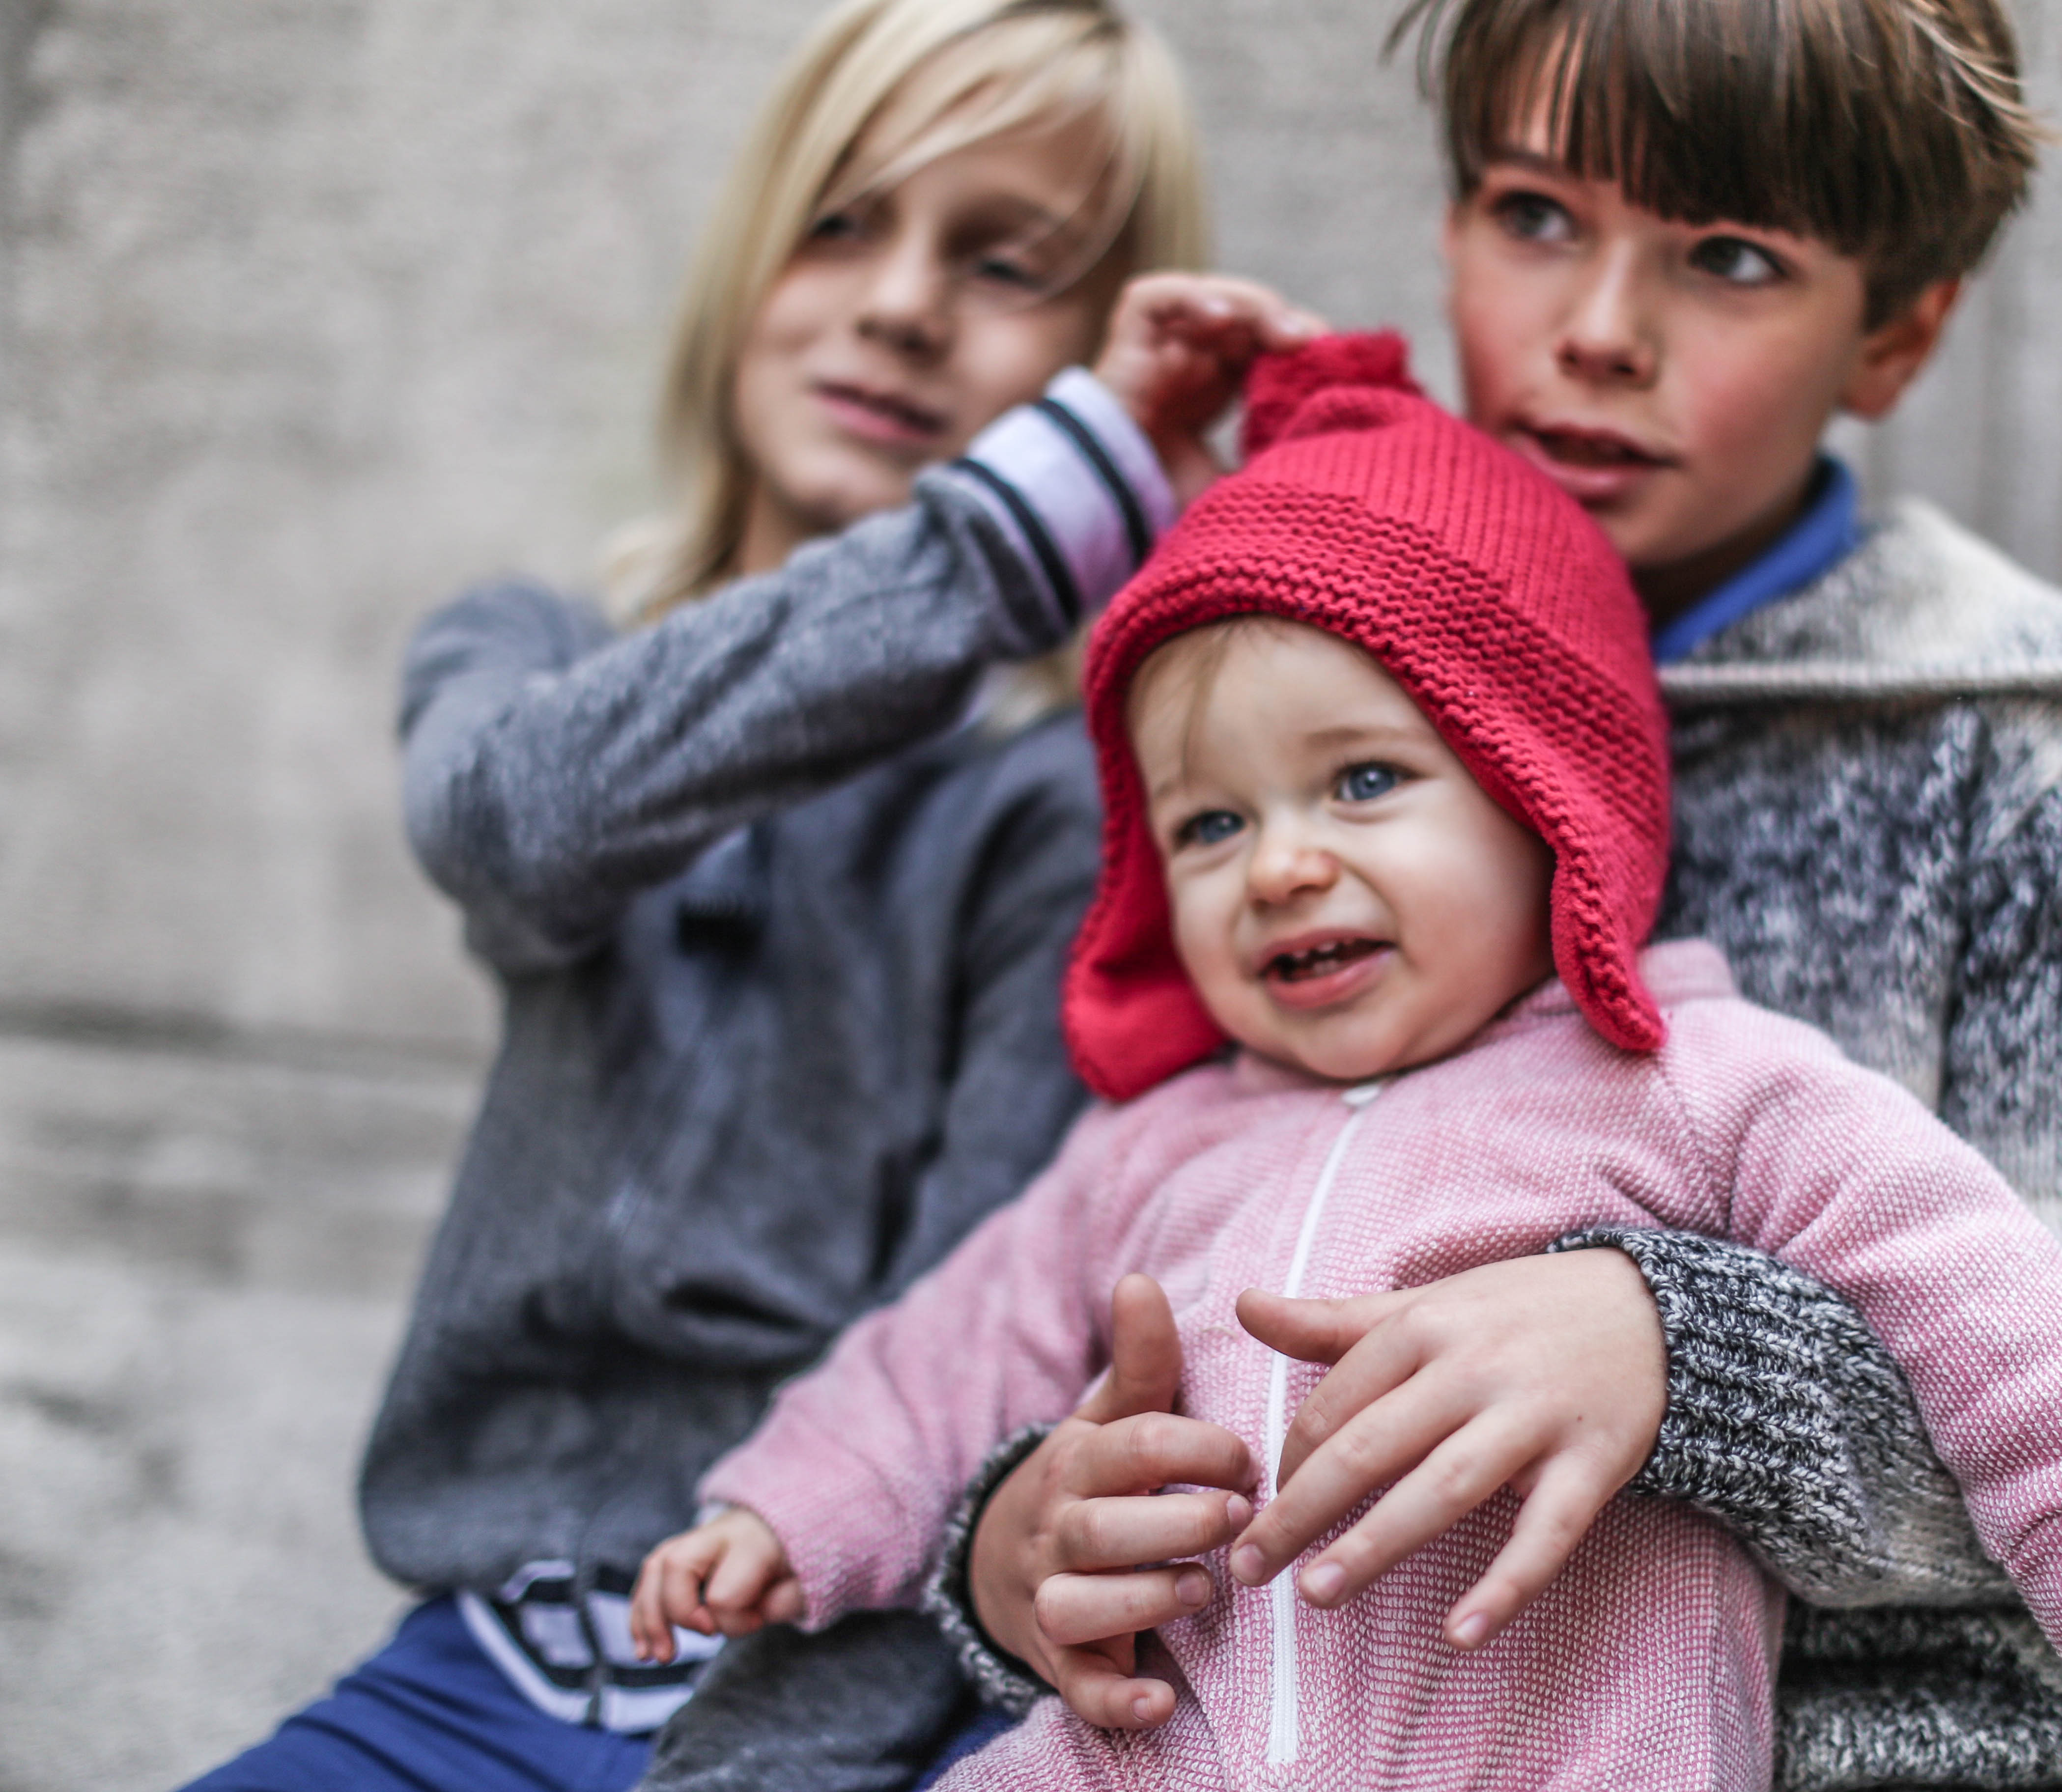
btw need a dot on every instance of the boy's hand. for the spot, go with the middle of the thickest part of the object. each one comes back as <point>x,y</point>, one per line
<point>1546,1374</point>
<point>1178,348</point>
<point>1040,1571</point>
<point>730,1574</point>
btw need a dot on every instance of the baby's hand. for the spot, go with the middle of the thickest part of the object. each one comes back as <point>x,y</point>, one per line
<point>1178,346</point>
<point>730,1574</point>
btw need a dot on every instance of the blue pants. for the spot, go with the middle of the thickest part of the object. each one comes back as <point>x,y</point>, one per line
<point>431,1713</point>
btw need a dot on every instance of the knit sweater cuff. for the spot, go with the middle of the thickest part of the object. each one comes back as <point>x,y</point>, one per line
<point>1729,1442</point>
<point>1001,1680</point>
<point>1789,1423</point>
<point>1071,483</point>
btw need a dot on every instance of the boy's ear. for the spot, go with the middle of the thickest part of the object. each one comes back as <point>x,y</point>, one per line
<point>1892,353</point>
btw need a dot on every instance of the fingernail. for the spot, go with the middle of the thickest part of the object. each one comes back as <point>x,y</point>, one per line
<point>1193,1588</point>
<point>1239,1510</point>
<point>1142,1708</point>
<point>1248,1564</point>
<point>1471,1630</point>
<point>1323,1584</point>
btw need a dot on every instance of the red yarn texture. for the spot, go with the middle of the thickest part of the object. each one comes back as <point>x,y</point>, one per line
<point>1482,589</point>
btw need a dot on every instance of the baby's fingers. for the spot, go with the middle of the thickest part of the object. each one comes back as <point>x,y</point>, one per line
<point>1076,1609</point>
<point>1103,1692</point>
<point>1554,1518</point>
<point>669,1592</point>
<point>737,1586</point>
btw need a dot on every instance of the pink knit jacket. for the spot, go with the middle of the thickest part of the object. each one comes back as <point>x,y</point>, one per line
<point>1648,1663</point>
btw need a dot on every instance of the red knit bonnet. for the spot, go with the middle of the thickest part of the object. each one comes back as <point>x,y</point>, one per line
<point>1482,589</point>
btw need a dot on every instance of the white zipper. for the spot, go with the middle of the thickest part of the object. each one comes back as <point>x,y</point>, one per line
<point>1282,1724</point>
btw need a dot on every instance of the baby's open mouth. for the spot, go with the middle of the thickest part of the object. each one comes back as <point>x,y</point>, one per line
<point>1318,961</point>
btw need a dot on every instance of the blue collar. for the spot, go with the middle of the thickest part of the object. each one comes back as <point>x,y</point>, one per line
<point>1824,535</point>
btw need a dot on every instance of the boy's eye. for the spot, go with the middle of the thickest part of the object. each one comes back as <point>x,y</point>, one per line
<point>1735,261</point>
<point>1212,827</point>
<point>1534,218</point>
<point>848,225</point>
<point>1362,783</point>
<point>1006,270</point>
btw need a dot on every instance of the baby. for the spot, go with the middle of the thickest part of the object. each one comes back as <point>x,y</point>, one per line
<point>1385,777</point>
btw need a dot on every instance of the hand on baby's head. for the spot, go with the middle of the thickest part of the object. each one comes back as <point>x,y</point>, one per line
<point>730,1575</point>
<point>1177,353</point>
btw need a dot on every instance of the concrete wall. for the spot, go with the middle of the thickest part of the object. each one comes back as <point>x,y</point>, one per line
<point>311,309</point>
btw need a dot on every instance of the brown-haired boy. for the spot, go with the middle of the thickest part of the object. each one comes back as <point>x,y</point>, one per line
<point>1682,237</point>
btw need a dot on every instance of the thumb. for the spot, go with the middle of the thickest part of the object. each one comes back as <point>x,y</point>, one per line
<point>1145,1355</point>
<point>1310,1331</point>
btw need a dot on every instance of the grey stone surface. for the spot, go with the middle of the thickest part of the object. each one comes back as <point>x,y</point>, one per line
<point>310,310</point>
<point>204,1246</point>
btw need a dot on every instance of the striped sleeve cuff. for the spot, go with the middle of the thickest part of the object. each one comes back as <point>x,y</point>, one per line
<point>1073,486</point>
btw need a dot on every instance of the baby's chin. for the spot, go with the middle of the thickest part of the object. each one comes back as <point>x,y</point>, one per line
<point>1342,1061</point>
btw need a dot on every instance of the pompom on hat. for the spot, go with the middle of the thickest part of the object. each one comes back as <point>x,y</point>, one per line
<point>1481,588</point>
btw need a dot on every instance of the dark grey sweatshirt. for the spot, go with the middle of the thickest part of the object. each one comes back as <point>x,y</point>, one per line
<point>778,942</point>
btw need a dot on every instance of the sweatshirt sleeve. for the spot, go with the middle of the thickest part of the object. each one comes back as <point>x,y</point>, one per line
<point>1848,1179</point>
<point>858,1464</point>
<point>552,770</point>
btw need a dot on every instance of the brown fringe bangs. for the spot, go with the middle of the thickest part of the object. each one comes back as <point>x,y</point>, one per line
<point>1893,129</point>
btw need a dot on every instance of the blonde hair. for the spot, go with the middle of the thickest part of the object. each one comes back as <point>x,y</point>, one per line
<point>935,75</point>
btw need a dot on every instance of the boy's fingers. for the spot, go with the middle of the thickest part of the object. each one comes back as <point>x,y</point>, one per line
<point>1311,1331</point>
<point>1094,1536</point>
<point>1077,1608</point>
<point>1555,1518</point>
<point>1100,1692</point>
<point>1381,1447</point>
<point>1427,1502</point>
<point>1386,1360</point>
<point>1151,1450</point>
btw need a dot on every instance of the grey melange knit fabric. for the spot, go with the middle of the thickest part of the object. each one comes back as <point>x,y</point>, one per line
<point>1868,820</point>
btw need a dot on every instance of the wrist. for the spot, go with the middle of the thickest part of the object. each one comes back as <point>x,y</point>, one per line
<point>1001,1678</point>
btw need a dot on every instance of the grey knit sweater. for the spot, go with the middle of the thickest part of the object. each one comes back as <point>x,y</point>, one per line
<point>1868,819</point>
<point>1868,805</point>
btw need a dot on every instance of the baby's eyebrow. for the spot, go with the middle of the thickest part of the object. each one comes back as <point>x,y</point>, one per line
<point>1364,733</point>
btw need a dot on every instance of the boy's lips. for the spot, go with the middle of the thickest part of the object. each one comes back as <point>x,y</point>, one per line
<point>879,416</point>
<point>1321,970</point>
<point>1592,466</point>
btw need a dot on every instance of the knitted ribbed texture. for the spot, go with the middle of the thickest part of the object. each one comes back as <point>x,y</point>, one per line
<point>1648,1662</point>
<point>1001,1680</point>
<point>1484,592</point>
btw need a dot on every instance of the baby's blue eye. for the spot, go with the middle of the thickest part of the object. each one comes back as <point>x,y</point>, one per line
<point>1362,783</point>
<point>1212,827</point>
